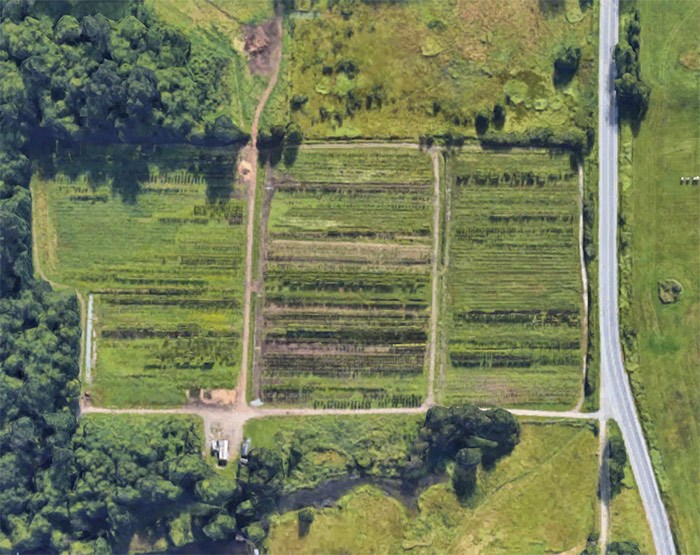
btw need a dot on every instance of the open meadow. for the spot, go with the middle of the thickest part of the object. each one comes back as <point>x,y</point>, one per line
<point>347,279</point>
<point>157,237</point>
<point>404,69</point>
<point>513,301</point>
<point>661,219</point>
<point>539,499</point>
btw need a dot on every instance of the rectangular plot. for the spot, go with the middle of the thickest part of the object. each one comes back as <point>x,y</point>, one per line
<point>157,236</point>
<point>347,280</point>
<point>513,286</point>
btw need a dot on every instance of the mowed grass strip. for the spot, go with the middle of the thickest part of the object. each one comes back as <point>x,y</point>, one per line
<point>158,238</point>
<point>513,280</point>
<point>539,499</point>
<point>347,279</point>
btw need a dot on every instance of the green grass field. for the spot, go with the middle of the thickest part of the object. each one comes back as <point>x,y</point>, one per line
<point>513,302</point>
<point>539,499</point>
<point>158,238</point>
<point>217,30</point>
<point>663,218</point>
<point>404,69</point>
<point>347,279</point>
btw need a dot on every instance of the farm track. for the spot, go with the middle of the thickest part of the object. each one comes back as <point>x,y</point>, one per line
<point>250,155</point>
<point>434,309</point>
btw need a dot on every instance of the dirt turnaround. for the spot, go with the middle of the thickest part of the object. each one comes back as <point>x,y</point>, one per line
<point>262,44</point>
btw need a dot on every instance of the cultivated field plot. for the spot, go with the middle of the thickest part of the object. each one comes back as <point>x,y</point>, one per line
<point>158,239</point>
<point>514,283</point>
<point>347,279</point>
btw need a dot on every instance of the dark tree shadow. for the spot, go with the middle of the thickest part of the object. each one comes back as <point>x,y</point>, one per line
<point>552,7</point>
<point>128,170</point>
<point>290,154</point>
<point>126,166</point>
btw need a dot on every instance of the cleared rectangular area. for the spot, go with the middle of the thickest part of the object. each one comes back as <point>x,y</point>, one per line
<point>513,300</point>
<point>156,235</point>
<point>347,279</point>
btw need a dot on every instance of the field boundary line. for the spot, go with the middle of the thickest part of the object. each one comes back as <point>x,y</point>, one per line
<point>434,309</point>
<point>584,289</point>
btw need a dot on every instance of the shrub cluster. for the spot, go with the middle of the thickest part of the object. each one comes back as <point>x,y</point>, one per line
<point>632,92</point>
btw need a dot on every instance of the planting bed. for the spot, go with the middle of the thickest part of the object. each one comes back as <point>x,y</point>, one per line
<point>513,301</point>
<point>157,237</point>
<point>347,279</point>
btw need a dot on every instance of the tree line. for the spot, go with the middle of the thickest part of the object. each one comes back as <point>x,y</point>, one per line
<point>633,92</point>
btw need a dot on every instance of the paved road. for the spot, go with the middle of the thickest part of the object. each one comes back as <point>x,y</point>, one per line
<point>616,396</point>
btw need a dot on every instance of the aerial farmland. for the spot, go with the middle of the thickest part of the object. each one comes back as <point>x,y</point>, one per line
<point>341,276</point>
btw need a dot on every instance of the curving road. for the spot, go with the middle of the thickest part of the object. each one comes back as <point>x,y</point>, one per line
<point>616,395</point>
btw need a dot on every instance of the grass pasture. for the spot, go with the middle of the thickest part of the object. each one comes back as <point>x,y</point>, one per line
<point>347,279</point>
<point>513,300</point>
<point>158,238</point>
<point>539,499</point>
<point>404,69</point>
<point>662,217</point>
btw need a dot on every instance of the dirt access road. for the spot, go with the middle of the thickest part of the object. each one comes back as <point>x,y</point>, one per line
<point>250,160</point>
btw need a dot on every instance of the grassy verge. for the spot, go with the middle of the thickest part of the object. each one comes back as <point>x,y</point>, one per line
<point>539,499</point>
<point>660,241</point>
<point>628,520</point>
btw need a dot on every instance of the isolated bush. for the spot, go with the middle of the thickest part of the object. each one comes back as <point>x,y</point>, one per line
<point>669,291</point>
<point>623,548</point>
<point>566,64</point>
<point>305,519</point>
<point>481,123</point>
<point>499,115</point>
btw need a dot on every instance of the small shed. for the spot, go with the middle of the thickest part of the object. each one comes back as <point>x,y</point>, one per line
<point>245,450</point>
<point>219,447</point>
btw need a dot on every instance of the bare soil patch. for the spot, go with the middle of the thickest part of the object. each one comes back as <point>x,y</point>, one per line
<point>261,42</point>
<point>217,397</point>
